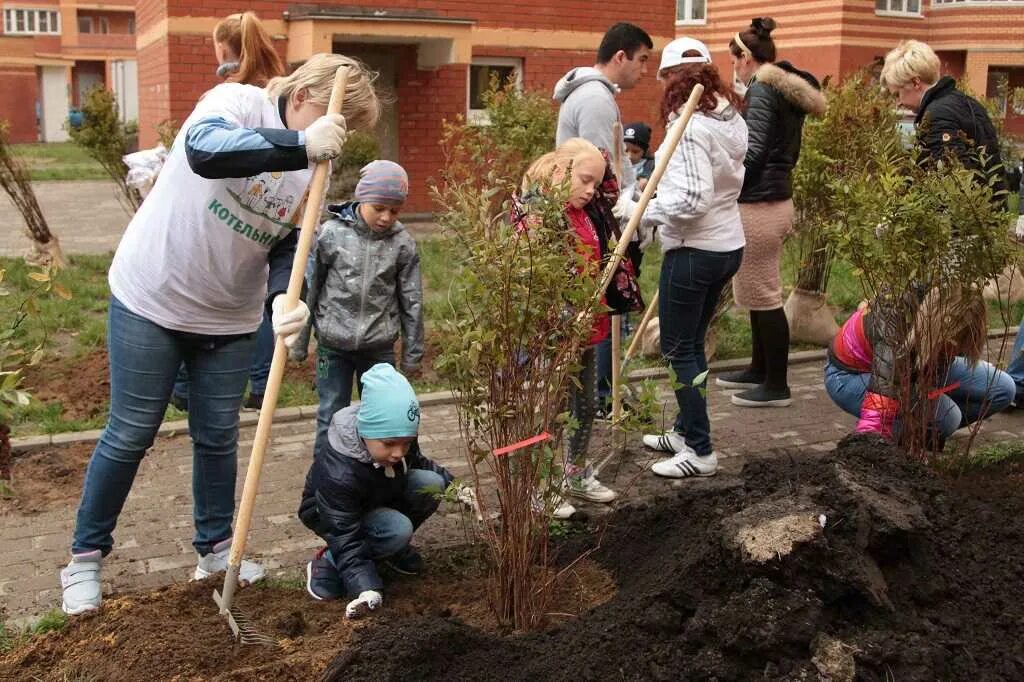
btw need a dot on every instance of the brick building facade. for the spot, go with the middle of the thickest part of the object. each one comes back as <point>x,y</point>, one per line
<point>427,53</point>
<point>434,54</point>
<point>53,51</point>
<point>979,41</point>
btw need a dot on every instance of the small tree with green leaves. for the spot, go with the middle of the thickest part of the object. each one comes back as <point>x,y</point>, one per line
<point>518,318</point>
<point>859,118</point>
<point>107,139</point>
<point>15,355</point>
<point>935,232</point>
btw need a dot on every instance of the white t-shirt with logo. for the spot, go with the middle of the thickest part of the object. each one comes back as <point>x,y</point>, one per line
<point>194,257</point>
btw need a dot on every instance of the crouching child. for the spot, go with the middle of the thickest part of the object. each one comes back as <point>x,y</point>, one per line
<point>368,491</point>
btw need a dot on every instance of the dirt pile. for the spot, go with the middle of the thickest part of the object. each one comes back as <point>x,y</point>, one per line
<point>911,577</point>
<point>857,564</point>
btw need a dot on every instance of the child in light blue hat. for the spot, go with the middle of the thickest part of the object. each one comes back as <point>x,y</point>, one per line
<point>368,491</point>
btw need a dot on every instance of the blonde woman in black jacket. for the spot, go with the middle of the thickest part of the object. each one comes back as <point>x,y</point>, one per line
<point>777,99</point>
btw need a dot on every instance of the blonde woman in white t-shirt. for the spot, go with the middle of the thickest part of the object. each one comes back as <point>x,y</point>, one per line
<point>208,251</point>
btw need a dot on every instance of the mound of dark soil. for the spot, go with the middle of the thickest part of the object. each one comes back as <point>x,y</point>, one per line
<point>858,564</point>
<point>911,578</point>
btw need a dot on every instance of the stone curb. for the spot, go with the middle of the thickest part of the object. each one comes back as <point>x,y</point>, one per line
<point>284,415</point>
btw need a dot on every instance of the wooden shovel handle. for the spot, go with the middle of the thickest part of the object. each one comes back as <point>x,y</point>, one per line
<point>310,217</point>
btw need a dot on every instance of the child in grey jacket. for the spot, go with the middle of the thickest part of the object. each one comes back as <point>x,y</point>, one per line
<point>365,289</point>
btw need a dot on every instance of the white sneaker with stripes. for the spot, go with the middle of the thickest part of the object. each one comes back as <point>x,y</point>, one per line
<point>686,464</point>
<point>670,441</point>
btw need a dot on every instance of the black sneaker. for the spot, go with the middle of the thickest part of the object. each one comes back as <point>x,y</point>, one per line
<point>406,562</point>
<point>179,402</point>
<point>253,402</point>
<point>742,380</point>
<point>763,397</point>
<point>322,579</point>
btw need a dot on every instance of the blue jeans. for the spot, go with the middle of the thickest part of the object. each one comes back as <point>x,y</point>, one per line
<point>336,372</point>
<point>144,359</point>
<point>388,531</point>
<point>1016,367</point>
<point>688,290</point>
<point>260,363</point>
<point>983,391</point>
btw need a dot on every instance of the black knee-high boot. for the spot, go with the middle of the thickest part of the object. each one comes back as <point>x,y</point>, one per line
<point>774,335</point>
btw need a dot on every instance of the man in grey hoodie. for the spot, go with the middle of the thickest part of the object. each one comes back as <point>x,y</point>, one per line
<point>587,93</point>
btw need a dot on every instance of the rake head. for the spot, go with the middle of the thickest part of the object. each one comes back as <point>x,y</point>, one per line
<point>240,623</point>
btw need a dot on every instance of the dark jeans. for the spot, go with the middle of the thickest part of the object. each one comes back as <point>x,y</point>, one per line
<point>388,530</point>
<point>690,285</point>
<point>582,405</point>
<point>144,358</point>
<point>336,371</point>
<point>260,363</point>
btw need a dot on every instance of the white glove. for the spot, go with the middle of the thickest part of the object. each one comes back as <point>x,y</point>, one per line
<point>467,497</point>
<point>288,324</point>
<point>623,208</point>
<point>1020,227</point>
<point>366,601</point>
<point>646,234</point>
<point>325,137</point>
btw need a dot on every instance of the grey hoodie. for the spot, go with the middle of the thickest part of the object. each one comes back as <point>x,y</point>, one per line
<point>588,110</point>
<point>366,287</point>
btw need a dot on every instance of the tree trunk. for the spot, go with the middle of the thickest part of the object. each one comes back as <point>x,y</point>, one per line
<point>15,180</point>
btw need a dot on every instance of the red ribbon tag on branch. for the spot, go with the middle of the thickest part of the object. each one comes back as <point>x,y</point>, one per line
<point>509,449</point>
<point>932,395</point>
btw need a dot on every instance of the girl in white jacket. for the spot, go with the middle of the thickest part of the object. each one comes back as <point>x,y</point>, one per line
<point>701,235</point>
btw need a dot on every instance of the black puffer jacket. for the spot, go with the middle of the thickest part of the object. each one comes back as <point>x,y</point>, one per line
<point>950,122</point>
<point>343,485</point>
<point>777,100</point>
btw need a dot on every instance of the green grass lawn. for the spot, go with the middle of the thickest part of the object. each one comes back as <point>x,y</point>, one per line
<point>59,161</point>
<point>71,328</point>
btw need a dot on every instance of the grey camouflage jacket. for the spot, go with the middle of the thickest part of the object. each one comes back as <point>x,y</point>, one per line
<point>365,287</point>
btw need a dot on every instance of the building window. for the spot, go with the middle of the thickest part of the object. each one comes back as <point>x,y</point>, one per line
<point>481,71</point>
<point>691,11</point>
<point>910,8</point>
<point>104,25</point>
<point>85,24</point>
<point>939,3</point>
<point>31,21</point>
<point>131,25</point>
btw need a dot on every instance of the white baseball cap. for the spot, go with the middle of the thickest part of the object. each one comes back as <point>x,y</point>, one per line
<point>673,53</point>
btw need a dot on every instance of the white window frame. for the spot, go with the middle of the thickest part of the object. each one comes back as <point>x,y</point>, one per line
<point>942,4</point>
<point>903,14</point>
<point>479,116</point>
<point>688,18</point>
<point>13,14</point>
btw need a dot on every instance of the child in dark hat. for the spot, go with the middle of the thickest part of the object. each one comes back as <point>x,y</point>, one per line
<point>637,137</point>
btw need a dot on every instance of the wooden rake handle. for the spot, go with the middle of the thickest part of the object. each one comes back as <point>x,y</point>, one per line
<point>310,217</point>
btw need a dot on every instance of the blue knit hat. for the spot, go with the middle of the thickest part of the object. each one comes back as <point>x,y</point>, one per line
<point>389,408</point>
<point>382,182</point>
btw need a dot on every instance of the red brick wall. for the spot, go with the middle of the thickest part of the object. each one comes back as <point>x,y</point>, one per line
<point>656,16</point>
<point>19,90</point>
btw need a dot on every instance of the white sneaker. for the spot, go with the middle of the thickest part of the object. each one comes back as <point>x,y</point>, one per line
<point>80,580</point>
<point>588,488</point>
<point>670,441</point>
<point>685,464</point>
<point>217,561</point>
<point>563,511</point>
